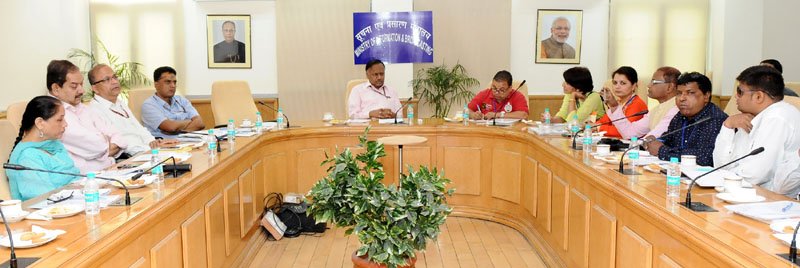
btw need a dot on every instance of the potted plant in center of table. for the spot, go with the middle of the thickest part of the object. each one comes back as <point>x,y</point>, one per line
<point>391,222</point>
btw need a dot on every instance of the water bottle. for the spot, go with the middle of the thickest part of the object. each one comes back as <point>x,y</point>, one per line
<point>674,178</point>
<point>574,127</point>
<point>231,131</point>
<point>410,114</point>
<point>546,116</point>
<point>633,154</point>
<point>91,195</point>
<point>211,141</point>
<point>279,120</point>
<point>587,139</point>
<point>259,123</point>
<point>465,116</point>
<point>158,169</point>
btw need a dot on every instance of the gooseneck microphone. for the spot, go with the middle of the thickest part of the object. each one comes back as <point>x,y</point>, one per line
<point>631,171</point>
<point>627,172</point>
<point>401,108</point>
<point>792,246</point>
<point>174,170</point>
<point>276,110</point>
<point>618,119</point>
<point>700,207</point>
<point>21,167</point>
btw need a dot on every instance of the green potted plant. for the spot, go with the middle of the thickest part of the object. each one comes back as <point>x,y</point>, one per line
<point>393,222</point>
<point>441,86</point>
<point>130,73</point>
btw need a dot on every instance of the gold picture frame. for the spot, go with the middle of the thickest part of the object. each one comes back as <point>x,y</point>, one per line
<point>229,43</point>
<point>558,36</point>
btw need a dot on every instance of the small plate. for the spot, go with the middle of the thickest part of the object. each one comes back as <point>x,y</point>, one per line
<point>145,180</point>
<point>357,122</point>
<point>61,211</point>
<point>19,243</point>
<point>456,120</point>
<point>652,168</point>
<point>784,226</point>
<point>15,218</point>
<point>734,199</point>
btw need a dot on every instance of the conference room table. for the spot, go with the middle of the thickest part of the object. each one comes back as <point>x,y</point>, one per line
<point>576,212</point>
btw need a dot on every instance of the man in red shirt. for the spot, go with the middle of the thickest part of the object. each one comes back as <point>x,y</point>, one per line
<point>499,101</point>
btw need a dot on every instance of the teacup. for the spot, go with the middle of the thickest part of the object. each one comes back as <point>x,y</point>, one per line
<point>603,149</point>
<point>247,123</point>
<point>688,162</point>
<point>732,183</point>
<point>11,207</point>
<point>328,116</point>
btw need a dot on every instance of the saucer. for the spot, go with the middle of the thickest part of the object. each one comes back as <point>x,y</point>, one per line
<point>784,226</point>
<point>734,199</point>
<point>15,218</point>
<point>61,211</point>
<point>45,237</point>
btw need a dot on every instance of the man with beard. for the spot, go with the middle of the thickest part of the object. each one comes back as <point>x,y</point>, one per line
<point>556,47</point>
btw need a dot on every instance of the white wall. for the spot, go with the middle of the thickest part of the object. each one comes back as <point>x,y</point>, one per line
<point>737,26</point>
<point>781,40</point>
<point>545,79</point>
<point>35,32</point>
<point>262,77</point>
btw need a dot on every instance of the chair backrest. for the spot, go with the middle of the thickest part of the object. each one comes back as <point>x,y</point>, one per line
<point>232,100</point>
<point>793,101</point>
<point>8,133</point>
<point>14,113</point>
<point>731,108</point>
<point>350,85</point>
<point>793,86</point>
<point>136,98</point>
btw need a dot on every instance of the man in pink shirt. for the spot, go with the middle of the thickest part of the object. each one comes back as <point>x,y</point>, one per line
<point>663,88</point>
<point>91,142</point>
<point>373,99</point>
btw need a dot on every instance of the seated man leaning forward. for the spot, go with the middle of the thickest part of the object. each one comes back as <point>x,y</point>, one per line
<point>694,104</point>
<point>165,114</point>
<point>499,101</point>
<point>115,111</point>
<point>373,99</point>
<point>766,121</point>
<point>92,143</point>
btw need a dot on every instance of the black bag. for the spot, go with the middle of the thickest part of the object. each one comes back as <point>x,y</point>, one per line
<point>297,220</point>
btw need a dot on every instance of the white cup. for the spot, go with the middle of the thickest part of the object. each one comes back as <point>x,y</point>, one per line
<point>11,207</point>
<point>603,149</point>
<point>688,162</point>
<point>328,116</point>
<point>732,184</point>
<point>246,123</point>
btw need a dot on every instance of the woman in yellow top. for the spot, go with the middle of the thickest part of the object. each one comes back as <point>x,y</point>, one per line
<point>579,99</point>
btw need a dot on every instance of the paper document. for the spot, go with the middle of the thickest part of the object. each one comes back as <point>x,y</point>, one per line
<point>389,121</point>
<point>767,211</point>
<point>714,179</point>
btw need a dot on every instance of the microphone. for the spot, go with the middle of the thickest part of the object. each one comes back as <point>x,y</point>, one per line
<point>700,207</point>
<point>401,108</point>
<point>494,119</point>
<point>626,172</point>
<point>792,247</point>
<point>174,171</point>
<point>631,171</point>
<point>21,167</point>
<point>13,261</point>
<point>618,119</point>
<point>276,110</point>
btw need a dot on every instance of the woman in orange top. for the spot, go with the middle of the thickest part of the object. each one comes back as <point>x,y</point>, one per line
<point>625,81</point>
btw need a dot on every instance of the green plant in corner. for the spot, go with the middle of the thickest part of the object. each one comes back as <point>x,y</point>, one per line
<point>441,86</point>
<point>130,74</point>
<point>391,222</point>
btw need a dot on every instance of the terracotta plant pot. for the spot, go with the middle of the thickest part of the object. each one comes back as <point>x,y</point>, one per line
<point>363,262</point>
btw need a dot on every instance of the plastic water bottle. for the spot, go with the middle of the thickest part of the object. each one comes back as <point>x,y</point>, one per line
<point>574,127</point>
<point>91,195</point>
<point>231,128</point>
<point>587,139</point>
<point>465,116</point>
<point>410,114</point>
<point>279,118</point>
<point>157,171</point>
<point>259,123</point>
<point>211,141</point>
<point>674,178</point>
<point>633,154</point>
<point>547,117</point>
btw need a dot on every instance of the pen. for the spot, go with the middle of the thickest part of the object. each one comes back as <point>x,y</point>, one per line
<point>787,207</point>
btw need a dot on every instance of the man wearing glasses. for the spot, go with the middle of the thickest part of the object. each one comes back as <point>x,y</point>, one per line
<point>115,111</point>
<point>766,121</point>
<point>92,143</point>
<point>663,87</point>
<point>165,114</point>
<point>499,101</point>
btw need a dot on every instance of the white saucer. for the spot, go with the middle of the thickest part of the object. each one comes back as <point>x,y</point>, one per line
<point>61,211</point>
<point>779,226</point>
<point>734,199</point>
<point>15,218</point>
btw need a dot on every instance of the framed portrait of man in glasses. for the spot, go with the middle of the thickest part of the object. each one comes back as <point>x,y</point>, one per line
<point>229,41</point>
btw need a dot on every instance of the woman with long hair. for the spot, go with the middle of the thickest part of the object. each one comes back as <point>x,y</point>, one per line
<point>38,146</point>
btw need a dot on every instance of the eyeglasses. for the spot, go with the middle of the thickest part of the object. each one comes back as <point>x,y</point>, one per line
<point>740,92</point>
<point>499,90</point>
<point>656,82</point>
<point>107,79</point>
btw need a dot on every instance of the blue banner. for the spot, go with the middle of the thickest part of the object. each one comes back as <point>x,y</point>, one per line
<point>393,37</point>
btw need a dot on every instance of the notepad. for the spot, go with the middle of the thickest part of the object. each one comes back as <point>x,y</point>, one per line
<point>767,211</point>
<point>713,179</point>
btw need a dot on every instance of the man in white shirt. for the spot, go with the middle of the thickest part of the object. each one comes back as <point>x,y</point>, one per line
<point>373,99</point>
<point>116,113</point>
<point>766,121</point>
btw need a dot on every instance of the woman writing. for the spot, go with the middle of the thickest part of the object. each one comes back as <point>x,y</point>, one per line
<point>38,146</point>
